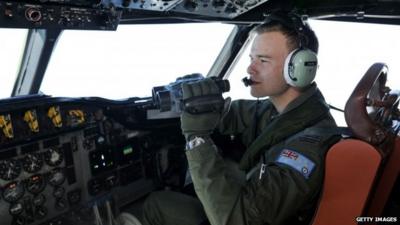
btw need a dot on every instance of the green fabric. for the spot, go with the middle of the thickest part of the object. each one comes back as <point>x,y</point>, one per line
<point>196,125</point>
<point>204,123</point>
<point>282,191</point>
<point>247,119</point>
<point>285,126</point>
<point>216,190</point>
<point>168,207</point>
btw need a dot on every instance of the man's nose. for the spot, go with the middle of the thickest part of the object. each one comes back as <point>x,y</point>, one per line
<point>251,69</point>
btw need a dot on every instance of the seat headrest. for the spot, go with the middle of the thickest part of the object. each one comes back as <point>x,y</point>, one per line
<point>371,107</point>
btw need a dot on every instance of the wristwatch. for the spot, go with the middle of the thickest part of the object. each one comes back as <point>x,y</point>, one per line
<point>194,142</point>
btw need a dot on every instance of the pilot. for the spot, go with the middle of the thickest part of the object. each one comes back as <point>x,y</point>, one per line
<point>286,136</point>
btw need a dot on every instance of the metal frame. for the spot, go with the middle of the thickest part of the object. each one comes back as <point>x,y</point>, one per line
<point>38,49</point>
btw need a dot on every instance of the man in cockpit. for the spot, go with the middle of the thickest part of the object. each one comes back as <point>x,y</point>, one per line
<point>286,136</point>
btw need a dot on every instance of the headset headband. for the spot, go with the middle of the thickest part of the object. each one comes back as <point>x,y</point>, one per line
<point>291,21</point>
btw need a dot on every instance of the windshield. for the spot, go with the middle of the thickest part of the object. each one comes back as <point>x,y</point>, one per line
<point>12,44</point>
<point>129,62</point>
<point>136,58</point>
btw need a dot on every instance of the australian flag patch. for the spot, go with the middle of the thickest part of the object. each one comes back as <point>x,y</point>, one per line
<point>297,161</point>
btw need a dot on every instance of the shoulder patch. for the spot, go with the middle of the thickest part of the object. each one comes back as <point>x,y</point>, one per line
<point>297,161</point>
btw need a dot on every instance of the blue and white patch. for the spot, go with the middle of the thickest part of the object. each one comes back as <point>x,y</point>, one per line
<point>297,161</point>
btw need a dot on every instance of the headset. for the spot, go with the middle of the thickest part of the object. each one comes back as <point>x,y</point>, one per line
<point>301,64</point>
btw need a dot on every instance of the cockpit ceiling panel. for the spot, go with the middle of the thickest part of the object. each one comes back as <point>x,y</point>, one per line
<point>226,9</point>
<point>153,5</point>
<point>57,16</point>
<point>107,14</point>
<point>211,8</point>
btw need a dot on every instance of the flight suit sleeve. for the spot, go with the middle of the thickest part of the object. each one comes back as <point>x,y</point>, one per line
<point>280,192</point>
<point>238,118</point>
<point>270,197</point>
<point>217,191</point>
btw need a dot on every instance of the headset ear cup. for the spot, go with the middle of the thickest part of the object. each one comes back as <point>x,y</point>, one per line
<point>288,69</point>
<point>300,67</point>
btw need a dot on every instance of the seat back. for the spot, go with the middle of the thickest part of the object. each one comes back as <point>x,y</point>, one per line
<point>390,172</point>
<point>350,170</point>
<point>360,172</point>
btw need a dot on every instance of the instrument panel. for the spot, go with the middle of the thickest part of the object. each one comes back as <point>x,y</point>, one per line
<point>37,15</point>
<point>107,14</point>
<point>62,154</point>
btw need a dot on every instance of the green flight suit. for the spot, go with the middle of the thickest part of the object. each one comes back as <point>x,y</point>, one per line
<point>252,197</point>
<point>286,187</point>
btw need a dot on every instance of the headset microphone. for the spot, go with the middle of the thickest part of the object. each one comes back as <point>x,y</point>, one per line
<point>247,82</point>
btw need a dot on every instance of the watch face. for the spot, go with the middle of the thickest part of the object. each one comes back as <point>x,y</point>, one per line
<point>196,141</point>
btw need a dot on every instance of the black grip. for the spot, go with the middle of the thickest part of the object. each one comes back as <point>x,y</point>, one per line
<point>223,85</point>
<point>203,104</point>
<point>207,103</point>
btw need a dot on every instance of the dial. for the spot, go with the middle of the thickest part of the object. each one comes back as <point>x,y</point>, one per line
<point>59,192</point>
<point>32,163</point>
<point>53,157</point>
<point>9,169</point>
<point>13,191</point>
<point>61,204</point>
<point>16,208</point>
<point>35,184</point>
<point>88,143</point>
<point>18,220</point>
<point>56,177</point>
<point>40,212</point>
<point>39,200</point>
<point>250,3</point>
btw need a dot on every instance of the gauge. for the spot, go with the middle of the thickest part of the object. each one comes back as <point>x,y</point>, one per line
<point>19,220</point>
<point>39,200</point>
<point>88,143</point>
<point>9,169</point>
<point>76,117</point>
<point>35,184</point>
<point>13,191</point>
<point>59,192</point>
<point>16,208</point>
<point>32,163</point>
<point>40,212</point>
<point>56,177</point>
<point>53,157</point>
<point>61,204</point>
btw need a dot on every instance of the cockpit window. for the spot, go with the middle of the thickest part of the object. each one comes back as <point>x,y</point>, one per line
<point>12,44</point>
<point>346,52</point>
<point>132,60</point>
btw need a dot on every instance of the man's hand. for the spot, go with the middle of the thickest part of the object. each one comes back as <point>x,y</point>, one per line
<point>203,123</point>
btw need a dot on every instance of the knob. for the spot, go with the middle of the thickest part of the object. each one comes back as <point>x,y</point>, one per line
<point>88,143</point>
<point>40,212</point>
<point>61,204</point>
<point>18,220</point>
<point>39,200</point>
<point>110,182</point>
<point>16,208</point>
<point>58,192</point>
<point>94,187</point>
<point>190,5</point>
<point>74,197</point>
<point>218,3</point>
<point>33,14</point>
<point>126,3</point>
<point>230,8</point>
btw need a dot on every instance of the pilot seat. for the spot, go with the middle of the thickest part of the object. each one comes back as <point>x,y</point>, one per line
<point>361,169</point>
